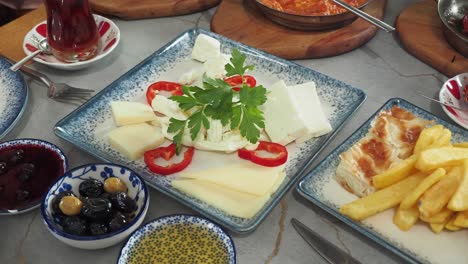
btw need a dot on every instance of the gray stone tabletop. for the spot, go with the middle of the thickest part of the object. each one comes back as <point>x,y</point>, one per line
<point>382,68</point>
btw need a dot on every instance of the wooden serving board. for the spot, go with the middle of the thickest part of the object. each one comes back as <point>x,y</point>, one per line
<point>240,20</point>
<point>421,33</point>
<point>138,9</point>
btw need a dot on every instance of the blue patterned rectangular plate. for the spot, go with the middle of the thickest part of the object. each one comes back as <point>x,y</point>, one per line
<point>86,126</point>
<point>419,244</point>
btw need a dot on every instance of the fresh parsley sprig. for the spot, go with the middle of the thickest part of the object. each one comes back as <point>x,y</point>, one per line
<point>218,101</point>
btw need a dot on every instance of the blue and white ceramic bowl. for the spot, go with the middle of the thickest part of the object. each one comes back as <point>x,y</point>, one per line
<point>71,180</point>
<point>28,144</point>
<point>140,249</point>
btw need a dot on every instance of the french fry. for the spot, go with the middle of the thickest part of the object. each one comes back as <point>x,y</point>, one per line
<point>395,174</point>
<point>430,180</point>
<point>427,137</point>
<point>437,197</point>
<point>443,140</point>
<point>461,144</point>
<point>461,220</point>
<point>451,226</point>
<point>459,201</point>
<point>440,218</point>
<point>382,199</point>
<point>406,218</point>
<point>434,158</point>
<point>437,228</point>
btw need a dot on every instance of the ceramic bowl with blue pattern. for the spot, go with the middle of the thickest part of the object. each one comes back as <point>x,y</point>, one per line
<point>71,180</point>
<point>179,239</point>
<point>13,96</point>
<point>49,163</point>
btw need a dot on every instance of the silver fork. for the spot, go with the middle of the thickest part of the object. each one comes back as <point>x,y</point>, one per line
<point>59,91</point>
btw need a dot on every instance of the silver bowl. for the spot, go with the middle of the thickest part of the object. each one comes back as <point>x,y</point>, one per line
<point>302,22</point>
<point>451,12</point>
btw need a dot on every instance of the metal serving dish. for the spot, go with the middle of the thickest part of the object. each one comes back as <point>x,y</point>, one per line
<point>302,22</point>
<point>451,12</point>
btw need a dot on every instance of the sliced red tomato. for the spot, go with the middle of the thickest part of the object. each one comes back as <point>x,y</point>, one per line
<point>171,87</point>
<point>236,81</point>
<point>167,153</point>
<point>280,158</point>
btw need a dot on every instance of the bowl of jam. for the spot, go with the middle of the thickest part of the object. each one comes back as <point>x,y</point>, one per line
<point>27,168</point>
<point>95,205</point>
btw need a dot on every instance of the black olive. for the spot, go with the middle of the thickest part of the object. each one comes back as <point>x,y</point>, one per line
<point>122,202</point>
<point>75,225</point>
<point>91,188</point>
<point>23,195</point>
<point>26,172</point>
<point>118,220</point>
<point>59,218</point>
<point>12,157</point>
<point>97,209</point>
<point>57,199</point>
<point>106,196</point>
<point>3,167</point>
<point>98,229</point>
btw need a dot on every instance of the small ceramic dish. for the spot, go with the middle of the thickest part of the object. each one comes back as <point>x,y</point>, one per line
<point>71,180</point>
<point>305,22</point>
<point>179,239</point>
<point>28,174</point>
<point>108,31</point>
<point>453,93</point>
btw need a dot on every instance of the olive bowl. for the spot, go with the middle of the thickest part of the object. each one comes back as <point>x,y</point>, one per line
<point>71,180</point>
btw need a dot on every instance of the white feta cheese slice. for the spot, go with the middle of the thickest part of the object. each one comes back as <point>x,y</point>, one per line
<point>214,67</point>
<point>189,77</point>
<point>283,123</point>
<point>167,107</point>
<point>133,140</point>
<point>215,132</point>
<point>205,47</point>
<point>310,110</point>
<point>126,113</point>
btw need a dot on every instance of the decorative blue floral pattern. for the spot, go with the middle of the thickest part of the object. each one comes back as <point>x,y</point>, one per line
<point>71,180</point>
<point>158,224</point>
<point>312,185</point>
<point>13,97</point>
<point>80,126</point>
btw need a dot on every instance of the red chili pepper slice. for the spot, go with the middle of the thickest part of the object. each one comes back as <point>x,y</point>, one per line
<point>236,81</point>
<point>252,155</point>
<point>167,153</point>
<point>171,87</point>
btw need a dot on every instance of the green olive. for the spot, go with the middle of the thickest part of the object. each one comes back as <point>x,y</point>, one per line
<point>70,205</point>
<point>114,185</point>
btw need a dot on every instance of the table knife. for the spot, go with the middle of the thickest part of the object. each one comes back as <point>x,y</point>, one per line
<point>329,252</point>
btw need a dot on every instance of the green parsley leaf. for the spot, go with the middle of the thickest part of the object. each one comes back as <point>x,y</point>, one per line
<point>236,65</point>
<point>195,123</point>
<point>252,122</point>
<point>252,96</point>
<point>177,127</point>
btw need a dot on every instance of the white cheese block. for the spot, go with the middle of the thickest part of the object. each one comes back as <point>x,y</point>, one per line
<point>126,113</point>
<point>244,177</point>
<point>133,140</point>
<point>310,110</point>
<point>189,77</point>
<point>215,67</point>
<point>167,107</point>
<point>232,202</point>
<point>205,47</point>
<point>283,122</point>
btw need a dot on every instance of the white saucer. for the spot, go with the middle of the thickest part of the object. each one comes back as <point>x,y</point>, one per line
<point>452,92</point>
<point>108,31</point>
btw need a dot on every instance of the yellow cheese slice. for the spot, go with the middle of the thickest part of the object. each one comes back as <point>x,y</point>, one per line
<point>243,177</point>
<point>127,113</point>
<point>232,202</point>
<point>133,140</point>
<point>278,182</point>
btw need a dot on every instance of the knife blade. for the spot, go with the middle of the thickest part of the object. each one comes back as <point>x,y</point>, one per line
<point>329,252</point>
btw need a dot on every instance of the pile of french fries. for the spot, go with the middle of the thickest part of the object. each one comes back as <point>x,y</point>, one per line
<point>431,185</point>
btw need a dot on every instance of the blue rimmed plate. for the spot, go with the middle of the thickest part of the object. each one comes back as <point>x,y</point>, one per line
<point>13,97</point>
<point>179,239</point>
<point>419,244</point>
<point>87,126</point>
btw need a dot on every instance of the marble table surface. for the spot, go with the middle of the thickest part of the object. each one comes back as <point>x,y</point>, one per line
<point>382,68</point>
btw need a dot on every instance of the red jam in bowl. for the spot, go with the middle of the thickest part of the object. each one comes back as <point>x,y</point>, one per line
<point>26,172</point>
